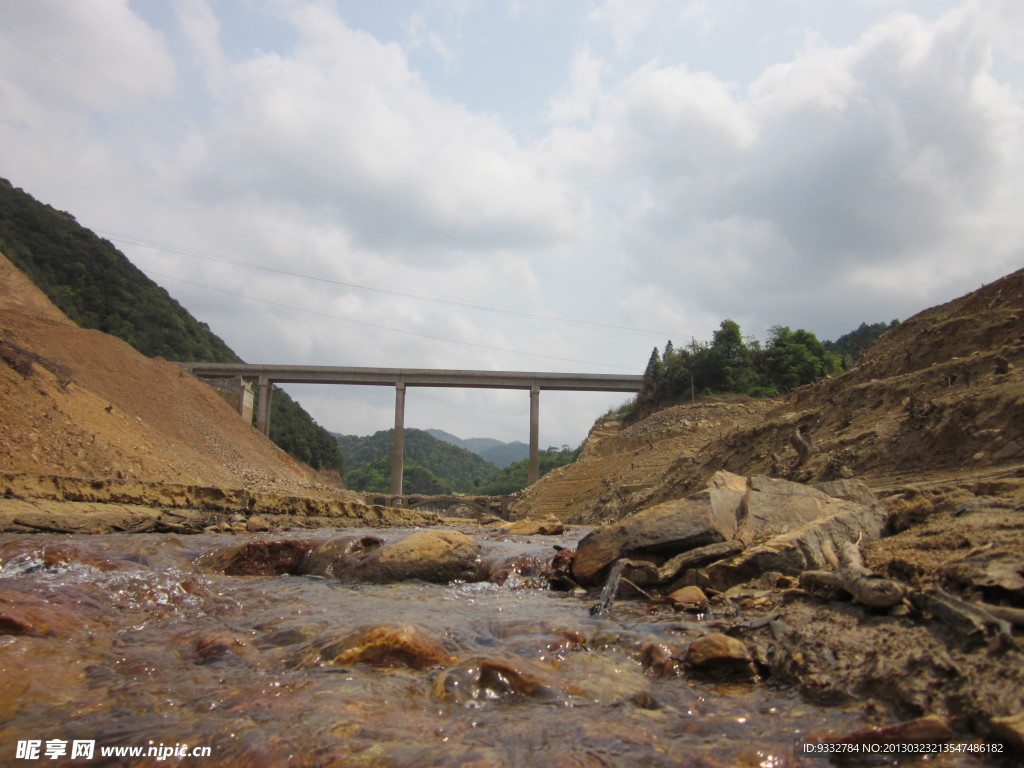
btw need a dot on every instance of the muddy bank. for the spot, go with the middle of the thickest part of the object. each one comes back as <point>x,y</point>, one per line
<point>53,503</point>
<point>912,604</point>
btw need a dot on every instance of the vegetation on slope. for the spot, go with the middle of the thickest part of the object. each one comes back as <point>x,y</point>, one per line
<point>851,345</point>
<point>95,285</point>
<point>513,477</point>
<point>445,467</point>
<point>731,363</point>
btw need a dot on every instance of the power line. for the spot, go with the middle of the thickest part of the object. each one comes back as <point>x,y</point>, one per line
<point>393,330</point>
<point>194,253</point>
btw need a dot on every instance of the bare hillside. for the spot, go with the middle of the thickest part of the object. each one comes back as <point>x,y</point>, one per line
<point>938,399</point>
<point>82,404</point>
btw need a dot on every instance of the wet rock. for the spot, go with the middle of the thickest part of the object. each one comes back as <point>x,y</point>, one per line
<point>217,646</point>
<point>28,555</point>
<point>923,730</point>
<point>260,558</point>
<point>559,571</point>
<point>661,659</point>
<point>336,553</point>
<point>257,524</point>
<point>690,598</point>
<point>495,678</point>
<point>1010,730</point>
<point>439,557</point>
<point>718,655</point>
<point>377,645</point>
<point>32,615</point>
<point>536,528</point>
<point>661,531</point>
<point>518,571</point>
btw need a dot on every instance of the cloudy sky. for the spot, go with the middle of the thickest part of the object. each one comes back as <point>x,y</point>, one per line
<point>547,185</point>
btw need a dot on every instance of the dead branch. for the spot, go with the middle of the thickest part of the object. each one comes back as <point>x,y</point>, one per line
<point>44,527</point>
<point>852,576</point>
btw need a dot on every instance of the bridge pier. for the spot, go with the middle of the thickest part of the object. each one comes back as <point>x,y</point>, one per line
<point>267,375</point>
<point>266,387</point>
<point>398,444</point>
<point>533,469</point>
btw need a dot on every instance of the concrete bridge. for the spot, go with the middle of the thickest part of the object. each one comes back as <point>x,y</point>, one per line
<point>485,505</point>
<point>266,376</point>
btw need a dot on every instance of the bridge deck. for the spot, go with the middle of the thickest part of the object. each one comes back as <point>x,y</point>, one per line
<point>418,377</point>
<point>401,378</point>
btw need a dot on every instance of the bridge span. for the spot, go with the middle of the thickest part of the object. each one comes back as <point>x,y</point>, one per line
<point>266,376</point>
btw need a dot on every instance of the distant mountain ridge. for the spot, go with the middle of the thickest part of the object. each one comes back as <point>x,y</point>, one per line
<point>430,465</point>
<point>499,453</point>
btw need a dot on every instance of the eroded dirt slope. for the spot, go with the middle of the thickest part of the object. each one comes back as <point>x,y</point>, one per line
<point>938,400</point>
<point>80,403</point>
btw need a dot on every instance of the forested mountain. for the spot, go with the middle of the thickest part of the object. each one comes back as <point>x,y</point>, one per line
<point>495,451</point>
<point>450,468</point>
<point>513,477</point>
<point>96,285</point>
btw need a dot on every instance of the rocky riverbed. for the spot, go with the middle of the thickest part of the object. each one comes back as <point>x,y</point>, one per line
<point>448,647</point>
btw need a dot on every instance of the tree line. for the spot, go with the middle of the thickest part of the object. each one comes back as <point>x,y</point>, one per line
<point>732,363</point>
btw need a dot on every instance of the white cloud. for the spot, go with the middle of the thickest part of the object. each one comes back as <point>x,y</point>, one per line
<point>201,29</point>
<point>661,186</point>
<point>367,142</point>
<point>624,21</point>
<point>841,169</point>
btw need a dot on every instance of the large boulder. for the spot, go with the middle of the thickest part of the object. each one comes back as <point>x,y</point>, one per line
<point>338,553</point>
<point>772,507</point>
<point>804,547</point>
<point>437,556</point>
<point>781,525</point>
<point>656,533</point>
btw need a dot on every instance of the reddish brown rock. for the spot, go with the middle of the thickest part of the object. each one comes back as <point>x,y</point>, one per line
<point>217,645</point>
<point>335,555</point>
<point>33,615</point>
<point>378,645</point>
<point>436,556</point>
<point>260,558</point>
<point>661,659</point>
<point>923,730</point>
<point>690,599</point>
<point>493,678</point>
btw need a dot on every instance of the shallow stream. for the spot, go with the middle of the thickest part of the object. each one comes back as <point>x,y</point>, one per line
<point>131,643</point>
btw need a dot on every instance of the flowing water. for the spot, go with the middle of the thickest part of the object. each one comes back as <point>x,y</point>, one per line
<point>133,643</point>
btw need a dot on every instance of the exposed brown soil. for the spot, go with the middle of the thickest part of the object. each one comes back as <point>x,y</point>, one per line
<point>934,409</point>
<point>87,419</point>
<point>95,437</point>
<point>932,419</point>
